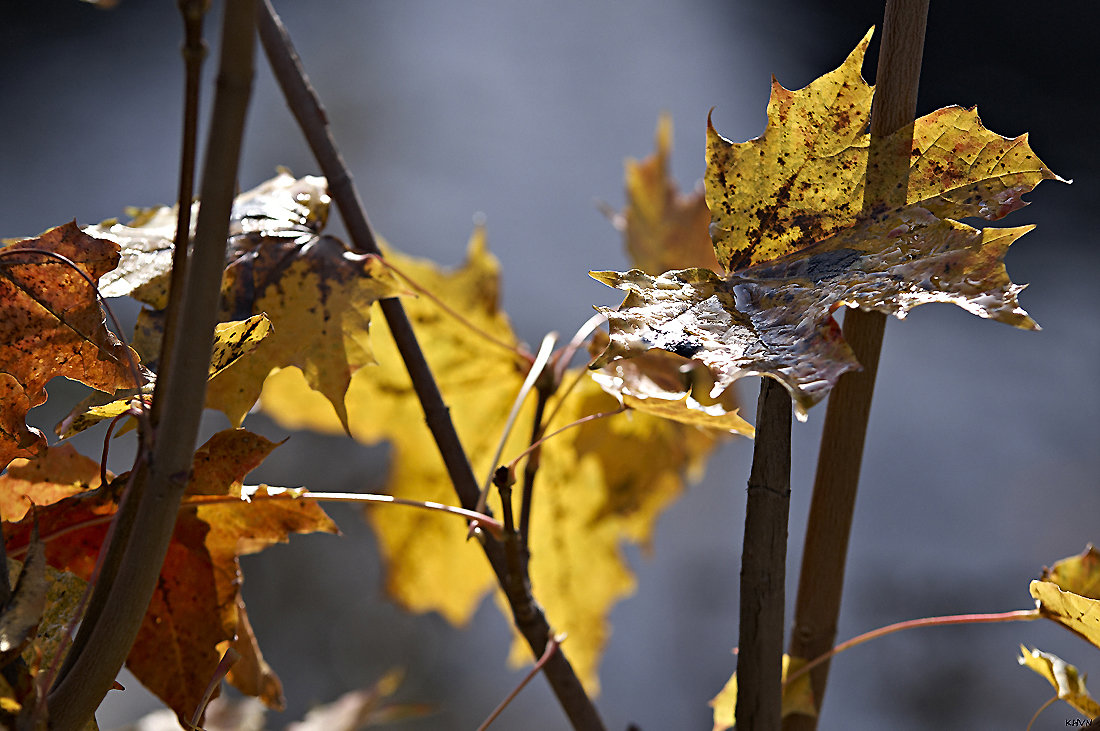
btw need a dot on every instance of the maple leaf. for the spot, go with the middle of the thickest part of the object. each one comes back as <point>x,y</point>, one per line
<point>662,228</point>
<point>1067,682</point>
<point>1069,594</point>
<point>196,609</point>
<point>598,486</point>
<point>316,292</point>
<point>788,224</point>
<point>51,325</point>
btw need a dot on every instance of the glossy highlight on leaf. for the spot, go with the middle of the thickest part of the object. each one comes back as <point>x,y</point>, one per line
<point>789,228</point>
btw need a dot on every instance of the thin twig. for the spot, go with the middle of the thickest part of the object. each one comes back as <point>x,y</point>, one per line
<point>1019,615</point>
<point>763,565</point>
<point>570,425</point>
<point>194,53</point>
<point>229,658</point>
<point>528,617</point>
<point>120,599</point>
<point>825,551</point>
<point>551,647</point>
<point>531,468</point>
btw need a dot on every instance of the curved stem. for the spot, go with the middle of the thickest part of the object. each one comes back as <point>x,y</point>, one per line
<point>545,350</point>
<point>551,647</point>
<point>1019,615</point>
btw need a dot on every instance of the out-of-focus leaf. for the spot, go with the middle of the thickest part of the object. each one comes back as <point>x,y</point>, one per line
<point>195,607</point>
<point>798,697</point>
<point>788,224</point>
<point>1067,682</point>
<point>662,228</point>
<point>599,485</point>
<point>359,709</point>
<point>51,325</point>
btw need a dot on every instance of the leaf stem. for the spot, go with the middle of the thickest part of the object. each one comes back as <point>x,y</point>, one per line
<point>1019,615</point>
<point>763,565</point>
<point>570,425</point>
<point>520,353</point>
<point>821,579</point>
<point>122,595</point>
<point>537,368</point>
<point>551,647</point>
<point>527,616</point>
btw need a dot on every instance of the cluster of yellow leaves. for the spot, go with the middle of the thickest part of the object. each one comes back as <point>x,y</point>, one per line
<point>598,485</point>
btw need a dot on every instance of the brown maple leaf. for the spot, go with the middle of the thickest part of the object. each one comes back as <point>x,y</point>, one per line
<point>51,325</point>
<point>196,610</point>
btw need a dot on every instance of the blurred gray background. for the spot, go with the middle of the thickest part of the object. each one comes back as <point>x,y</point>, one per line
<point>981,462</point>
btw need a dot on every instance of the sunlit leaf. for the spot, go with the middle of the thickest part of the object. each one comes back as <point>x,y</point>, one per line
<point>195,607</point>
<point>51,325</point>
<point>1067,682</point>
<point>599,486</point>
<point>662,228</point>
<point>788,224</point>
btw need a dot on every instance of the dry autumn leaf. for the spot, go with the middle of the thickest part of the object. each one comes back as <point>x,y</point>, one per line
<point>51,325</point>
<point>1067,682</point>
<point>787,224</point>
<point>232,341</point>
<point>598,486</point>
<point>315,291</point>
<point>195,611</point>
<point>1069,593</point>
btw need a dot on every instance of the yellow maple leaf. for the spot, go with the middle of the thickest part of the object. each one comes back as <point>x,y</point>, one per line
<point>788,225</point>
<point>1067,682</point>
<point>597,486</point>
<point>802,180</point>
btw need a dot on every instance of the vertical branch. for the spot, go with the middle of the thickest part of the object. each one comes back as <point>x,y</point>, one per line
<point>763,564</point>
<point>104,640</point>
<point>527,615</point>
<point>821,579</point>
<point>194,53</point>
